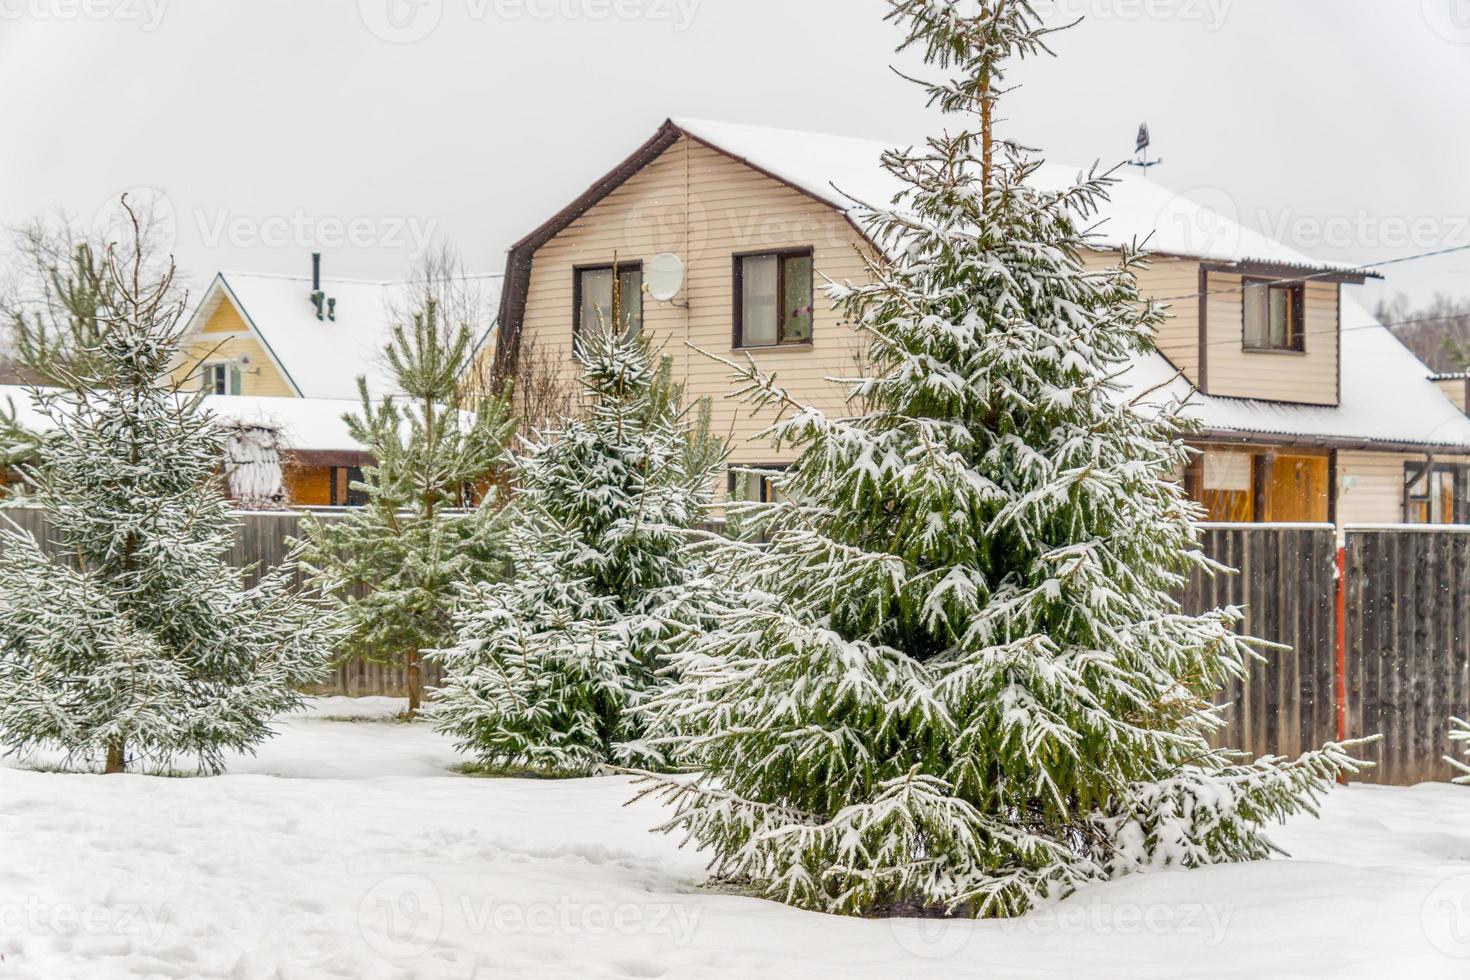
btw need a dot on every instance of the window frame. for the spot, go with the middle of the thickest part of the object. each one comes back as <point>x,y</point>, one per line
<point>764,473</point>
<point>578,270</point>
<point>1296,291</point>
<point>1425,469</point>
<point>737,298</point>
<point>233,380</point>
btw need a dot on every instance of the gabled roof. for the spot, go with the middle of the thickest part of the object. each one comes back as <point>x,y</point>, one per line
<point>323,358</point>
<point>1386,400</point>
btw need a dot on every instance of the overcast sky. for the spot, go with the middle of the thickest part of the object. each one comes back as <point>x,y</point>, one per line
<point>274,127</point>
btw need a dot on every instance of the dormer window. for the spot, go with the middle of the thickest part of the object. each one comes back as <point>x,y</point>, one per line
<point>221,378</point>
<point>1274,316</point>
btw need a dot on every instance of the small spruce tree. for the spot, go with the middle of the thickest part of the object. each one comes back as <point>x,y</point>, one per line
<point>551,668</point>
<point>960,682</point>
<point>432,517</point>
<point>136,642</point>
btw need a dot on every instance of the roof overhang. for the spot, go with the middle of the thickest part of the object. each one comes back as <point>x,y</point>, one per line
<point>1291,270</point>
<point>1242,437</point>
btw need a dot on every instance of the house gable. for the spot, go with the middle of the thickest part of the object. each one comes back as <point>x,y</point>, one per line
<point>707,207</point>
<point>220,331</point>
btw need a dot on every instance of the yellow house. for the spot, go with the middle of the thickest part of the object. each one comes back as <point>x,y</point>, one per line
<point>1309,410</point>
<point>291,348</point>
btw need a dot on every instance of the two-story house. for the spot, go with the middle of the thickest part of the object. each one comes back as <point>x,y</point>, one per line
<point>290,349</point>
<point>1308,409</point>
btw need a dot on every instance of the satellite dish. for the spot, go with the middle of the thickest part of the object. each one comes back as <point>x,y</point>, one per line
<point>664,276</point>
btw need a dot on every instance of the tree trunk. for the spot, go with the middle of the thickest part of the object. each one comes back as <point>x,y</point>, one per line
<point>414,680</point>
<point>114,757</point>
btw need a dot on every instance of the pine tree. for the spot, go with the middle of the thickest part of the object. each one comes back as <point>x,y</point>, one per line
<point>138,643</point>
<point>432,518</point>
<point>960,682</point>
<point>550,668</point>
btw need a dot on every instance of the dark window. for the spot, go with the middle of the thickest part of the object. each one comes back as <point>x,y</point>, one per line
<point>1435,494</point>
<point>592,297</point>
<point>220,379</point>
<point>773,298</point>
<point>344,494</point>
<point>755,482</point>
<point>1274,316</point>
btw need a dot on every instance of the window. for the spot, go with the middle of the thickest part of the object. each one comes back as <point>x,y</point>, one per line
<point>753,482</point>
<point>1435,494</point>
<point>220,379</point>
<point>592,298</point>
<point>773,298</point>
<point>344,494</point>
<point>1274,316</point>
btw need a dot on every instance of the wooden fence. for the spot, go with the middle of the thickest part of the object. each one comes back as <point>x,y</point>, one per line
<point>1286,585</point>
<point>1406,646</point>
<point>262,540</point>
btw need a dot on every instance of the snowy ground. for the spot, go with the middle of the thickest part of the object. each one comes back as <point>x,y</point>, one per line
<point>347,849</point>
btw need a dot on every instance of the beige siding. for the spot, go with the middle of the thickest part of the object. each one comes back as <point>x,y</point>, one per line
<point>1310,377</point>
<point>1174,282</point>
<point>226,336</point>
<point>1371,487</point>
<point>1455,389</point>
<point>705,207</point>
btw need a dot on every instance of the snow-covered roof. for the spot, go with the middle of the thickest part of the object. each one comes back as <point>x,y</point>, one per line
<point>843,170</point>
<point>305,424</point>
<point>323,358</point>
<point>1386,397</point>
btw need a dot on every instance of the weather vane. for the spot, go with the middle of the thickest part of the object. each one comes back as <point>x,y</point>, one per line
<point>1140,150</point>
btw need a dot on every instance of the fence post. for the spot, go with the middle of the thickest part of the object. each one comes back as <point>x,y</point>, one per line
<point>1340,644</point>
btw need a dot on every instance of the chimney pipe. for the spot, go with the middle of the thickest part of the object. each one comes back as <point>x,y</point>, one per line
<point>316,271</point>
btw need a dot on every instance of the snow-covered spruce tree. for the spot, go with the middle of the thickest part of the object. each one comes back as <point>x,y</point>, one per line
<point>961,683</point>
<point>432,518</point>
<point>550,667</point>
<point>138,643</point>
